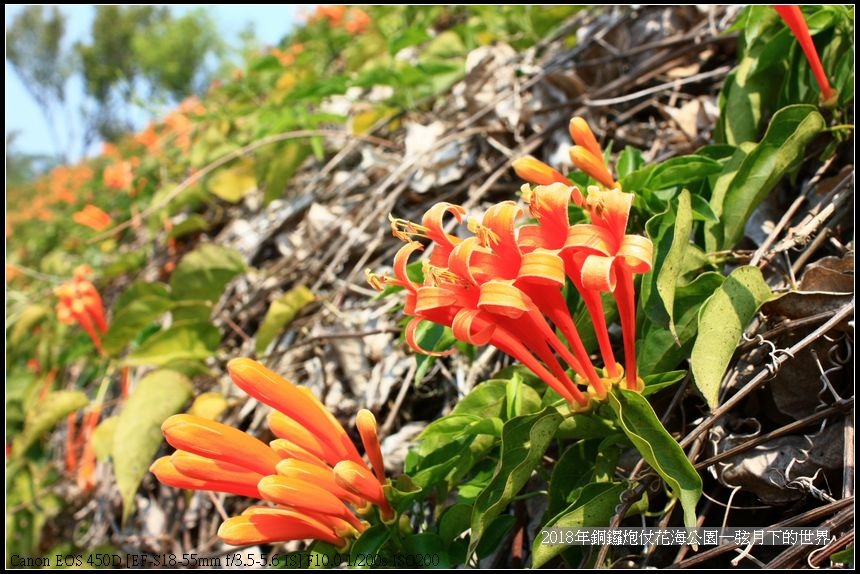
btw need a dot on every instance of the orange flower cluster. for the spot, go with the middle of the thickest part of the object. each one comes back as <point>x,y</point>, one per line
<point>353,20</point>
<point>119,176</point>
<point>311,473</point>
<point>80,302</point>
<point>288,57</point>
<point>503,286</point>
<point>92,217</point>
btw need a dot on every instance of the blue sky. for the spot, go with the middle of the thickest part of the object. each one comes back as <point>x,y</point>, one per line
<point>270,24</point>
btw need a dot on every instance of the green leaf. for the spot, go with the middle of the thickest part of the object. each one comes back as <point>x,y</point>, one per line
<point>369,544</point>
<point>595,506</point>
<point>282,168</point>
<point>524,440</point>
<point>138,306</point>
<point>103,438</point>
<point>658,448</point>
<point>182,341</point>
<point>281,313</point>
<point>429,545</point>
<point>29,318</point>
<point>137,436</point>
<point>660,381</point>
<point>191,224</point>
<point>573,470</point>
<point>203,273</point>
<point>671,265</point>
<point>656,348</point>
<point>235,182</point>
<point>456,520</point>
<point>46,413</point>
<point>722,320</point>
<point>681,171</point>
<point>782,148</point>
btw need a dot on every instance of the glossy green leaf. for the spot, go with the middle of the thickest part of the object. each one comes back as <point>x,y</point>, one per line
<point>782,148</point>
<point>658,448</point>
<point>681,171</point>
<point>721,322</point>
<point>182,341</point>
<point>138,306</point>
<point>137,435</point>
<point>202,274</point>
<point>368,545</point>
<point>44,414</point>
<point>659,381</point>
<point>281,313</point>
<point>524,440</point>
<point>594,507</point>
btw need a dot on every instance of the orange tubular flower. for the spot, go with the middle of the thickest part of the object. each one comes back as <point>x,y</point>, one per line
<point>504,285</point>
<point>92,217</point>
<point>119,176</point>
<point>793,17</point>
<point>294,472</point>
<point>80,302</point>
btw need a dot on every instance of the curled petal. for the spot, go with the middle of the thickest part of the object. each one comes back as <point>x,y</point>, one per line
<point>636,252</point>
<point>598,274</point>
<point>401,259</point>
<point>610,209</point>
<point>218,441</point>
<point>502,298</point>
<point>466,328</point>
<point>500,220</point>
<point>542,267</point>
<point>413,342</point>
<point>590,238</point>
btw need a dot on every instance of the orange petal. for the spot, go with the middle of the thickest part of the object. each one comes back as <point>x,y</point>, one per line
<point>592,165</point>
<point>467,326</point>
<point>598,274</point>
<point>357,479</point>
<point>366,424</point>
<point>288,449</point>
<point>319,475</point>
<point>202,468</point>
<point>280,525</point>
<point>168,474</point>
<point>411,335</point>
<point>637,253</point>
<point>537,172</point>
<point>305,496</point>
<point>218,441</point>
<point>582,135</point>
<point>297,403</point>
<point>504,299</point>
<point>542,267</point>
<point>286,428</point>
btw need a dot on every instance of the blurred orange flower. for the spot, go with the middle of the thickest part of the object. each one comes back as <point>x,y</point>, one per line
<point>92,217</point>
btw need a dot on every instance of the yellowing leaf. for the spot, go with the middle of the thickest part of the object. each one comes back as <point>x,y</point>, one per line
<point>234,182</point>
<point>281,313</point>
<point>208,405</point>
<point>44,414</point>
<point>137,436</point>
<point>103,438</point>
